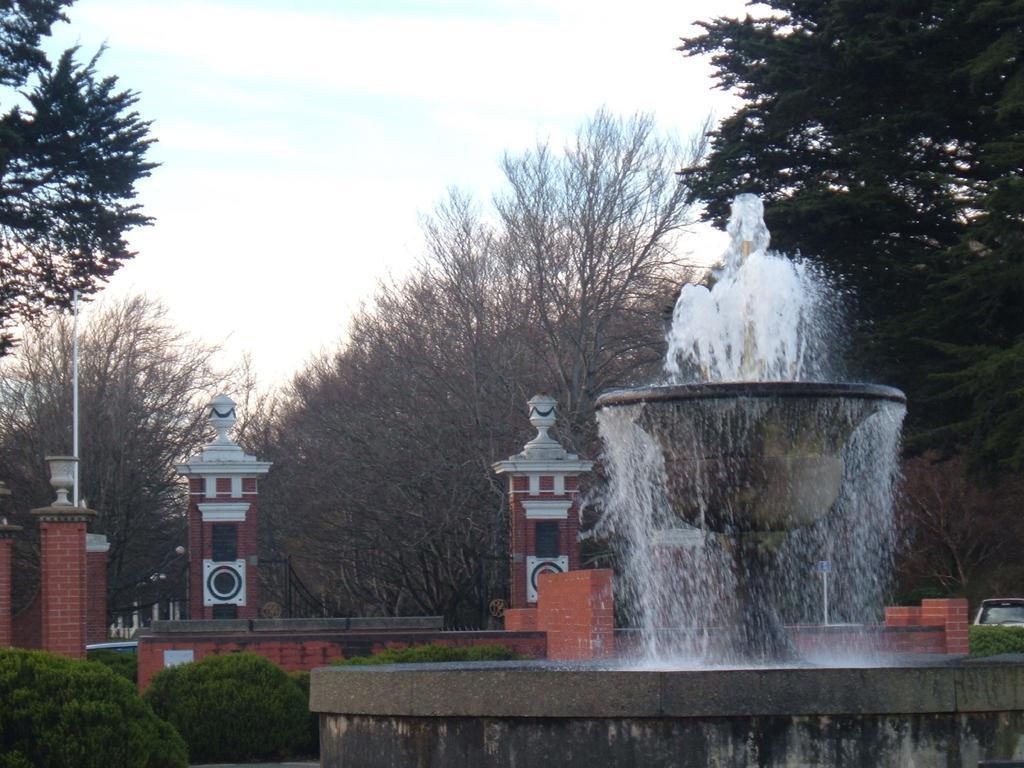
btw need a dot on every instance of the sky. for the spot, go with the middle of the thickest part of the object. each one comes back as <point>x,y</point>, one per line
<point>301,142</point>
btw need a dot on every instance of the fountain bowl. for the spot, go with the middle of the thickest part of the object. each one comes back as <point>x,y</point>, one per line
<point>931,713</point>
<point>752,457</point>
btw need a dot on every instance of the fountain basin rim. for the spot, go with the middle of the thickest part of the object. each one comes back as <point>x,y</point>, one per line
<point>539,689</point>
<point>750,389</point>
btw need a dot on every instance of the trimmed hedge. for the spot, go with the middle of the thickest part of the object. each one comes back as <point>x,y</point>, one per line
<point>124,664</point>
<point>991,641</point>
<point>59,712</point>
<point>233,708</point>
<point>433,654</point>
<point>311,746</point>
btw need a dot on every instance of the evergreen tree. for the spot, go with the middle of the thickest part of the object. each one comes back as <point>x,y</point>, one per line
<point>887,138</point>
<point>71,150</point>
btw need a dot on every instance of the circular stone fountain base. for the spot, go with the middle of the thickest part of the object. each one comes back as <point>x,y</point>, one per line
<point>525,714</point>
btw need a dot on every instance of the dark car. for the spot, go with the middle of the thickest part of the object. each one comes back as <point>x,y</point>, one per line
<point>1005,611</point>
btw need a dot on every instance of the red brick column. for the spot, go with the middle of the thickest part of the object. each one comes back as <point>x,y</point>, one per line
<point>576,611</point>
<point>951,615</point>
<point>62,579</point>
<point>544,513</point>
<point>223,491</point>
<point>7,532</point>
<point>96,548</point>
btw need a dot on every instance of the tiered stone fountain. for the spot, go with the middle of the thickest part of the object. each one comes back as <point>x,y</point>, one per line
<point>725,485</point>
<point>754,460</point>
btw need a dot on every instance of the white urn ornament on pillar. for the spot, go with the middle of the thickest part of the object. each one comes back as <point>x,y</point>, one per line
<point>543,416</point>
<point>222,418</point>
<point>62,477</point>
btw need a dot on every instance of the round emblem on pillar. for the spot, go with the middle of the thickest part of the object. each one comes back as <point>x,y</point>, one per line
<point>224,582</point>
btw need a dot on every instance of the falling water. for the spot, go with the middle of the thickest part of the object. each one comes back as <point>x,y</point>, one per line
<point>766,317</point>
<point>720,500</point>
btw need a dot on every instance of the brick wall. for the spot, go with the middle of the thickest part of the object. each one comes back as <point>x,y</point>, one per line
<point>575,610</point>
<point>296,651</point>
<point>947,615</point>
<point>6,632</point>
<point>868,639</point>
<point>63,587</point>
<point>520,620</point>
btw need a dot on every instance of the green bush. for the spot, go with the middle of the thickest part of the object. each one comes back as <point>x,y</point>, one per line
<point>124,664</point>
<point>311,746</point>
<point>232,708</point>
<point>990,641</point>
<point>58,712</point>
<point>432,654</point>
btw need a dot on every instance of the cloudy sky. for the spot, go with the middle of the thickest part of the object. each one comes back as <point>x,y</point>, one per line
<point>300,141</point>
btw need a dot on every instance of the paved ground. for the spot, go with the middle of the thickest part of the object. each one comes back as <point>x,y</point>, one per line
<point>258,765</point>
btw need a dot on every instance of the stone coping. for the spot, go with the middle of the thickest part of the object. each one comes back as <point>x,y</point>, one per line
<point>861,630</point>
<point>549,689</point>
<point>749,389</point>
<point>369,624</point>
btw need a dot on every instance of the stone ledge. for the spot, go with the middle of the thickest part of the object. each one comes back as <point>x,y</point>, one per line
<point>235,626</point>
<point>348,624</point>
<point>544,689</point>
<point>190,626</point>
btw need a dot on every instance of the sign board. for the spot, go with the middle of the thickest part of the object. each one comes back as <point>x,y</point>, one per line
<point>177,658</point>
<point>823,566</point>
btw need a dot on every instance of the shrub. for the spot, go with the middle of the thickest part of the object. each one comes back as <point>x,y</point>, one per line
<point>311,746</point>
<point>232,708</point>
<point>433,654</point>
<point>58,712</point>
<point>124,664</point>
<point>990,641</point>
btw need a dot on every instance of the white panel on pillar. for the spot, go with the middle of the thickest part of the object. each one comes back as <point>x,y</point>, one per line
<point>223,582</point>
<point>224,512</point>
<point>546,509</point>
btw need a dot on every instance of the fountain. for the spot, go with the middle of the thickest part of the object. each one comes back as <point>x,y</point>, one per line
<point>730,481</point>
<point>727,482</point>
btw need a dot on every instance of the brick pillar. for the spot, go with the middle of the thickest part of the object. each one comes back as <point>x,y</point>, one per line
<point>223,523</point>
<point>62,578</point>
<point>576,611</point>
<point>957,623</point>
<point>951,615</point>
<point>544,516</point>
<point>7,532</point>
<point>96,548</point>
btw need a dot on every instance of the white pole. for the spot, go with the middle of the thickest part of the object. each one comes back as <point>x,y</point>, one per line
<point>74,391</point>
<point>824,587</point>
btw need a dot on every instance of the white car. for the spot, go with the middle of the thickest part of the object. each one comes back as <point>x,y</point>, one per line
<point>1004,611</point>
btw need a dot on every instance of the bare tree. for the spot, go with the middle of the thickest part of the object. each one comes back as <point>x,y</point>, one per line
<point>382,485</point>
<point>385,447</point>
<point>142,384</point>
<point>593,233</point>
<point>957,530</point>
